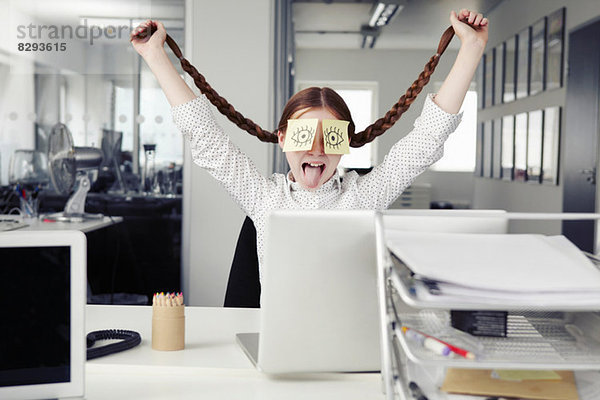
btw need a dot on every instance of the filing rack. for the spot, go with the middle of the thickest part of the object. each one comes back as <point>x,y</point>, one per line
<point>540,337</point>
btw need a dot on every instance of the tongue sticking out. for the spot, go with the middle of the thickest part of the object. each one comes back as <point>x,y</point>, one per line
<point>312,175</point>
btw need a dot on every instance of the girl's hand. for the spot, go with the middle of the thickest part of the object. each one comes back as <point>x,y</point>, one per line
<point>470,27</point>
<point>149,44</point>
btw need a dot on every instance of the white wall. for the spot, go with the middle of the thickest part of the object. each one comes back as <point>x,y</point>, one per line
<point>394,71</point>
<point>230,43</point>
<point>509,18</point>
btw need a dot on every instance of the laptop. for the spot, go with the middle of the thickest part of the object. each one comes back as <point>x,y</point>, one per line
<point>319,310</point>
<point>43,292</point>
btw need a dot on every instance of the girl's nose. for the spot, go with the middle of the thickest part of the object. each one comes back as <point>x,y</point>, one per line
<point>317,147</point>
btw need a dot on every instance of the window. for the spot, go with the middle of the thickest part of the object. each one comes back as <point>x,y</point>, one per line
<point>124,120</point>
<point>155,122</point>
<point>459,150</point>
<point>361,100</point>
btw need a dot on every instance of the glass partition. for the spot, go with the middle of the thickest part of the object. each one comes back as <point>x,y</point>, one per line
<point>72,63</point>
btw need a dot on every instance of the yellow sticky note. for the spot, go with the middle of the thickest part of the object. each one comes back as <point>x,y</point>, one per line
<point>335,136</point>
<point>300,134</point>
<point>525,375</point>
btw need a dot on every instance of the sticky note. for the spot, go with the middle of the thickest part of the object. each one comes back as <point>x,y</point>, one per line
<point>300,134</point>
<point>525,375</point>
<point>335,136</point>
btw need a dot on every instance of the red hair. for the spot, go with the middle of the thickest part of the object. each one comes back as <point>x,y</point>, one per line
<point>324,97</point>
<point>315,97</point>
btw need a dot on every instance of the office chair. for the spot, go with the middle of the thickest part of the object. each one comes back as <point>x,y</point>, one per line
<point>243,286</point>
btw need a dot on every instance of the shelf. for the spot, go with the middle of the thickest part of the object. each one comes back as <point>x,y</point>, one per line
<point>534,341</point>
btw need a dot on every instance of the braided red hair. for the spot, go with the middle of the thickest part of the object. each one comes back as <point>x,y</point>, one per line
<point>313,97</point>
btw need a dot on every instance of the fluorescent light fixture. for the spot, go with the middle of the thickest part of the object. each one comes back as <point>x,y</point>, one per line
<point>370,35</point>
<point>384,12</point>
<point>368,41</point>
<point>104,22</point>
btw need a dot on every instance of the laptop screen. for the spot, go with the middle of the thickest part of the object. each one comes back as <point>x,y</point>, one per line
<point>35,291</point>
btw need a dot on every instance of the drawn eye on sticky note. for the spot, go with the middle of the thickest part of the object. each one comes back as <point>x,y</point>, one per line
<point>300,134</point>
<point>335,136</point>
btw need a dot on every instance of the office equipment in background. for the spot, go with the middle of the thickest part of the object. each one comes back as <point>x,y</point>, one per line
<point>68,166</point>
<point>43,291</point>
<point>10,222</point>
<point>110,166</point>
<point>149,171</point>
<point>318,301</point>
<point>28,167</point>
<point>416,196</point>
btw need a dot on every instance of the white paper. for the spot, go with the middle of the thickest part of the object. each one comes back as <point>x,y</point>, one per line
<point>502,262</point>
<point>455,294</point>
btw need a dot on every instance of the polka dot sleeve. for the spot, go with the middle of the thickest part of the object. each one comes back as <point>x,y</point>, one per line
<point>409,157</point>
<point>213,150</point>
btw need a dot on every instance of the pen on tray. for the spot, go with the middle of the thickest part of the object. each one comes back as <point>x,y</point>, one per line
<point>420,337</point>
<point>426,341</point>
<point>461,352</point>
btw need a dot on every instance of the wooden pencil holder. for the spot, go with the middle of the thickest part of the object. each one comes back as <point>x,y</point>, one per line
<point>168,327</point>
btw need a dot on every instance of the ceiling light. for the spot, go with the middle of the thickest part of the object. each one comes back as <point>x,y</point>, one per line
<point>369,35</point>
<point>383,12</point>
<point>104,22</point>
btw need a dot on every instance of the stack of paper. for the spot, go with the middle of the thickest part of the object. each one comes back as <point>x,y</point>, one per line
<point>530,269</point>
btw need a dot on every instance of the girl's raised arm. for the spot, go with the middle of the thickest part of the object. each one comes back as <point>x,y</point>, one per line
<point>472,30</point>
<point>152,50</point>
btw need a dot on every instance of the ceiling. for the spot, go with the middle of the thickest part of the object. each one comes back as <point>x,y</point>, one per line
<point>335,24</point>
<point>65,11</point>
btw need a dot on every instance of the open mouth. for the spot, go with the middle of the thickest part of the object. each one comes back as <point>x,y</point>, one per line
<point>312,173</point>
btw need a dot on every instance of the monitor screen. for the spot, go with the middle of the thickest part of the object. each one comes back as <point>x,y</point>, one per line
<point>35,291</point>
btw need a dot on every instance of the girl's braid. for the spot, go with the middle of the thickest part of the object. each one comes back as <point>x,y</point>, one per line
<point>356,139</point>
<point>390,118</point>
<point>211,94</point>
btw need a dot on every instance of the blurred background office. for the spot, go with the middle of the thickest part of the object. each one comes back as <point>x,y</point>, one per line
<point>527,141</point>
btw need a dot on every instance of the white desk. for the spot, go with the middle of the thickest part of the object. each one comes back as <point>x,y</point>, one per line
<point>212,366</point>
<point>85,227</point>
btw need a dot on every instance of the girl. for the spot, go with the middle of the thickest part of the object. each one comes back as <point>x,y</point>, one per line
<point>313,181</point>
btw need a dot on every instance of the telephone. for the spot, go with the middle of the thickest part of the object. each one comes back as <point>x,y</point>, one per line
<point>128,340</point>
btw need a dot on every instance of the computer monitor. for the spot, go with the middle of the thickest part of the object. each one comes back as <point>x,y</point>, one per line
<point>319,308</point>
<point>450,221</point>
<point>43,295</point>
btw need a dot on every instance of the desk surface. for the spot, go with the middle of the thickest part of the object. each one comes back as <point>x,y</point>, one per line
<point>212,365</point>
<point>86,226</point>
